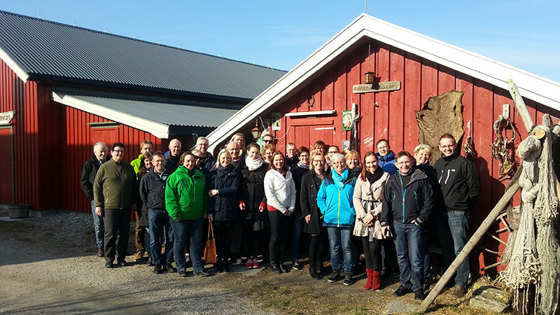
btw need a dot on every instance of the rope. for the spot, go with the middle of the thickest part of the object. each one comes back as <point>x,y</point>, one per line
<point>501,146</point>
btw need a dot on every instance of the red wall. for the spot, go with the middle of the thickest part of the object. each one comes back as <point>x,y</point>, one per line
<point>394,118</point>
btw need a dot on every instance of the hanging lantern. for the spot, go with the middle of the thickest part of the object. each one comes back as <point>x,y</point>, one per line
<point>256,131</point>
<point>370,77</point>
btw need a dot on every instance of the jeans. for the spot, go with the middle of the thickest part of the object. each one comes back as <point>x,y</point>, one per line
<point>296,236</point>
<point>340,247</point>
<point>409,240</point>
<point>159,225</point>
<point>183,230</point>
<point>459,226</point>
<point>117,224</point>
<point>97,226</point>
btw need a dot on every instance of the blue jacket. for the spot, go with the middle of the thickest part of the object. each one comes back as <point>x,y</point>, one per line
<point>387,162</point>
<point>336,203</point>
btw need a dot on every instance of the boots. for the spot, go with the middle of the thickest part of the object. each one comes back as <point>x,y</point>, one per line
<point>376,280</point>
<point>369,282</point>
<point>313,271</point>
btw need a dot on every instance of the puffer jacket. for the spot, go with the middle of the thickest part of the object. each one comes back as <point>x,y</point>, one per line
<point>368,199</point>
<point>186,194</point>
<point>387,162</point>
<point>414,201</point>
<point>225,205</point>
<point>336,203</point>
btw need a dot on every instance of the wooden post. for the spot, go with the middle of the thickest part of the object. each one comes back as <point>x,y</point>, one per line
<point>477,236</point>
<point>520,104</point>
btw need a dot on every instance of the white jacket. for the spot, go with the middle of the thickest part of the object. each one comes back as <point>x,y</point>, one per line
<point>280,191</point>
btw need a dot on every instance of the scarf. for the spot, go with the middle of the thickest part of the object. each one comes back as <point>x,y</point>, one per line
<point>339,179</point>
<point>373,177</point>
<point>299,164</point>
<point>254,164</point>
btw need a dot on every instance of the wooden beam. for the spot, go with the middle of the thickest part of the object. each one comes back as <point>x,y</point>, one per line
<point>520,104</point>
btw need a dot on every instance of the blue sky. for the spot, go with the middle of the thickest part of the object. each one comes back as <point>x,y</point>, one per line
<point>280,34</point>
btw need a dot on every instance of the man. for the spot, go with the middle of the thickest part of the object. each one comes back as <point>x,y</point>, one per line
<point>115,189</point>
<point>291,155</point>
<point>172,155</point>
<point>267,139</point>
<point>145,146</point>
<point>208,161</point>
<point>86,180</point>
<point>152,194</point>
<point>385,156</point>
<point>331,151</point>
<point>234,151</point>
<point>460,186</point>
<point>406,206</point>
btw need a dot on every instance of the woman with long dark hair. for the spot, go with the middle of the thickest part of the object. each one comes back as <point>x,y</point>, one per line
<point>368,196</point>
<point>280,192</point>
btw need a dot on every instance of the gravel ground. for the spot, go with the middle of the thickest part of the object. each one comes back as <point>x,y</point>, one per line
<point>47,265</point>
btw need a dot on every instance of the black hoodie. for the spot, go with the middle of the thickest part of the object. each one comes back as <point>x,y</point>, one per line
<point>459,181</point>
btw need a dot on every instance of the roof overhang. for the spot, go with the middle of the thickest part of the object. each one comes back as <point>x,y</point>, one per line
<point>541,90</point>
<point>14,65</point>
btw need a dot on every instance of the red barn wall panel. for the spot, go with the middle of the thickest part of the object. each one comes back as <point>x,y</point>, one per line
<point>412,85</point>
<point>382,68</point>
<point>396,101</point>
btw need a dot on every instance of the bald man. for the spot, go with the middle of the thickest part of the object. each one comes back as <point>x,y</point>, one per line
<point>172,156</point>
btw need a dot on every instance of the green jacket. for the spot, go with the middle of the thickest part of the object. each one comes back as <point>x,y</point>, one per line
<point>115,186</point>
<point>136,163</point>
<point>186,194</point>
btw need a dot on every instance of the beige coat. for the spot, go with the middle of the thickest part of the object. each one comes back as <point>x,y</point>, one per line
<point>367,199</point>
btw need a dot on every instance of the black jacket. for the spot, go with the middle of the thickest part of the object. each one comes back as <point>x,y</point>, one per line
<point>459,182</point>
<point>253,192</point>
<point>88,175</point>
<point>405,204</point>
<point>298,173</point>
<point>292,161</point>
<point>208,162</point>
<point>225,205</point>
<point>310,185</point>
<point>152,190</point>
<point>172,162</point>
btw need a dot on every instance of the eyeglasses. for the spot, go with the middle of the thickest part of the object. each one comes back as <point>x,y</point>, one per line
<point>268,141</point>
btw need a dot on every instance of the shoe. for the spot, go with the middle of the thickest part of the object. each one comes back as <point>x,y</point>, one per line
<point>139,255</point>
<point>313,272</point>
<point>426,287</point>
<point>297,266</point>
<point>158,269</point>
<point>227,268</point>
<point>256,264</point>
<point>183,273</point>
<point>170,268</point>
<point>100,252</point>
<point>419,295</point>
<point>334,277</point>
<point>283,268</point>
<point>459,291</point>
<point>122,263</point>
<point>369,281</point>
<point>109,264</point>
<point>402,290</point>
<point>276,268</point>
<point>219,267</point>
<point>202,273</point>
<point>150,262</point>
<point>249,263</point>
<point>376,280</point>
<point>348,278</point>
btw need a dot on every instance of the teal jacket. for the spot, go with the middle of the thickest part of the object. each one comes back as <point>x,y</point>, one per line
<point>186,194</point>
<point>335,200</point>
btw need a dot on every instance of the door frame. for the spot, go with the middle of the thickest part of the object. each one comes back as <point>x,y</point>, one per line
<point>11,128</point>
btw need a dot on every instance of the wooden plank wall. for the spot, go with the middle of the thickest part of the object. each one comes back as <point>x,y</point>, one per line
<point>394,117</point>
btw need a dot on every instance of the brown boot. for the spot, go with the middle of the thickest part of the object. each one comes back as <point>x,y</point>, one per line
<point>376,280</point>
<point>369,282</point>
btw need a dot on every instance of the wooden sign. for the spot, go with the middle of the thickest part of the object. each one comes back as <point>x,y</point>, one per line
<point>381,87</point>
<point>6,117</point>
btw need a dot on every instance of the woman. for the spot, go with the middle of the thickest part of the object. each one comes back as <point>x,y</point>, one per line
<point>256,218</point>
<point>301,169</point>
<point>142,233</point>
<point>353,162</point>
<point>368,195</point>
<point>185,202</point>
<point>335,202</point>
<point>225,205</point>
<point>267,152</point>
<point>280,192</point>
<point>313,219</point>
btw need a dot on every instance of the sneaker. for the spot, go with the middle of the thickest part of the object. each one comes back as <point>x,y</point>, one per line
<point>202,273</point>
<point>109,264</point>
<point>402,290</point>
<point>170,268</point>
<point>122,263</point>
<point>459,291</point>
<point>283,268</point>
<point>139,255</point>
<point>335,275</point>
<point>158,269</point>
<point>100,252</point>
<point>276,268</point>
<point>249,263</point>
<point>347,278</point>
<point>183,273</point>
<point>256,264</point>
<point>419,295</point>
<point>296,265</point>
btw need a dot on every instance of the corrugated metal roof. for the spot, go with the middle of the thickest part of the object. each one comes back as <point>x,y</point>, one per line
<point>45,49</point>
<point>154,115</point>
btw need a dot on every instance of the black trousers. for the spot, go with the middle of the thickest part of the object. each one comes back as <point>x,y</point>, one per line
<point>279,224</point>
<point>372,252</point>
<point>117,224</point>
<point>223,232</point>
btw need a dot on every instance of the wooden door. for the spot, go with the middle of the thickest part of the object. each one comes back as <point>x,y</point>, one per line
<point>6,166</point>
<point>109,135</point>
<point>304,132</point>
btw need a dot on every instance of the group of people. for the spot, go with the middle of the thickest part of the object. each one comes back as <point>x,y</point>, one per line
<point>262,202</point>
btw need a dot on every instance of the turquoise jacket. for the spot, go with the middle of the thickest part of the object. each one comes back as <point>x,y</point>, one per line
<point>335,200</point>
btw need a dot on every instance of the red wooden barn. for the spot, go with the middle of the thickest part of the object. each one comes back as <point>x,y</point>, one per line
<point>310,99</point>
<point>63,88</point>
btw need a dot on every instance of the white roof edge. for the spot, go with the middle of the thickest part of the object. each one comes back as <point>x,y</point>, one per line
<point>541,90</point>
<point>14,66</point>
<point>157,129</point>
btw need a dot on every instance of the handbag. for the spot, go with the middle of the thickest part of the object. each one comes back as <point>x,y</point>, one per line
<point>210,249</point>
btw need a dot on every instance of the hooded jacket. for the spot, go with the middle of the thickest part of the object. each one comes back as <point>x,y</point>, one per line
<point>414,201</point>
<point>387,162</point>
<point>280,191</point>
<point>225,205</point>
<point>186,194</point>
<point>335,200</point>
<point>459,181</point>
